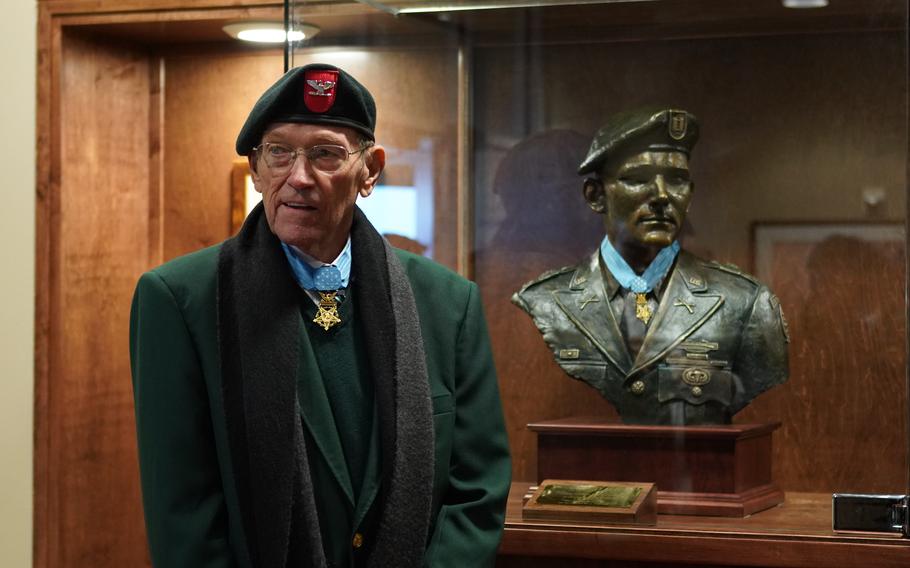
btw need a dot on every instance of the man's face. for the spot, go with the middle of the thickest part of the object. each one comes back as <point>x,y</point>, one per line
<point>646,198</point>
<point>309,208</point>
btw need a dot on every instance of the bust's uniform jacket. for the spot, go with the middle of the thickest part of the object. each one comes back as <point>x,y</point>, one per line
<point>228,393</point>
<point>713,324</point>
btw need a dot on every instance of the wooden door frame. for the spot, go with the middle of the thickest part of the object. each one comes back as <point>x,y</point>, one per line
<point>55,17</point>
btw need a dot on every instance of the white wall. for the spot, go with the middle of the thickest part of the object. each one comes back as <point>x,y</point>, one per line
<point>17,278</point>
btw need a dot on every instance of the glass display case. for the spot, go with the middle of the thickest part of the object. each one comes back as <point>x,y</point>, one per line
<point>799,182</point>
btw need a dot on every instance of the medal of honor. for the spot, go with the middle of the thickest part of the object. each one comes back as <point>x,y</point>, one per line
<point>327,310</point>
<point>639,285</point>
<point>326,281</point>
<point>642,309</point>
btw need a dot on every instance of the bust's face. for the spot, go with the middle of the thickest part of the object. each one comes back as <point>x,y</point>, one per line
<point>646,198</point>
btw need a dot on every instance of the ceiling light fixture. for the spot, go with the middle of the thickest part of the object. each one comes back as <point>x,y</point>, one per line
<point>805,3</point>
<point>269,32</point>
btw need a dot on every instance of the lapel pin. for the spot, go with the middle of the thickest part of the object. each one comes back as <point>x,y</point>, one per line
<point>679,303</point>
<point>583,303</point>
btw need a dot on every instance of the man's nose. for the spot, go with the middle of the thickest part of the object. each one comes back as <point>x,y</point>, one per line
<point>301,173</point>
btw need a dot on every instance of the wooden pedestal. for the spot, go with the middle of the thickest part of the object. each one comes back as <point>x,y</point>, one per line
<point>699,470</point>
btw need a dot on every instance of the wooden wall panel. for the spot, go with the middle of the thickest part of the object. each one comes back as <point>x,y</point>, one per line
<point>793,128</point>
<point>95,510</point>
<point>844,410</point>
<point>207,97</point>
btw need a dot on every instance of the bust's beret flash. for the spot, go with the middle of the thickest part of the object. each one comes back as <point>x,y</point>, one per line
<point>316,94</point>
<point>630,132</point>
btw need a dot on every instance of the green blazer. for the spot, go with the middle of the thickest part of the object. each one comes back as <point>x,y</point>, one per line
<point>195,483</point>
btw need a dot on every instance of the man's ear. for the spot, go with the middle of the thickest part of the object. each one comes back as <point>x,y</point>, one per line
<point>596,195</point>
<point>374,162</point>
<point>257,179</point>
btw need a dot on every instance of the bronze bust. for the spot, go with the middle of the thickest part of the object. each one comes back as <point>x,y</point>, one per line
<point>665,336</point>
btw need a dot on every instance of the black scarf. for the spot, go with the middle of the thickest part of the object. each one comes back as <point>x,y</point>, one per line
<point>259,325</point>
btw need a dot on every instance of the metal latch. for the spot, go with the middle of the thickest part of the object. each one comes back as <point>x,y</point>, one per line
<point>871,513</point>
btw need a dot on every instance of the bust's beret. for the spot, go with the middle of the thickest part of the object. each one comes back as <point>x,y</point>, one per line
<point>631,132</point>
<point>317,94</point>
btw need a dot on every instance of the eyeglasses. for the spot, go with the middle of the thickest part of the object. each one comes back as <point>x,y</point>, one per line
<point>327,158</point>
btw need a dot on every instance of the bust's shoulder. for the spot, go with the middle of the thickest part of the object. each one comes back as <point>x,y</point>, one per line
<point>731,269</point>
<point>721,277</point>
<point>551,278</point>
<point>541,286</point>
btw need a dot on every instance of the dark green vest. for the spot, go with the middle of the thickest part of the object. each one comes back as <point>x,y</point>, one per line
<point>335,388</point>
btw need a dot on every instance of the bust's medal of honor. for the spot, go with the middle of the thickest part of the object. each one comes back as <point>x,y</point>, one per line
<point>643,284</point>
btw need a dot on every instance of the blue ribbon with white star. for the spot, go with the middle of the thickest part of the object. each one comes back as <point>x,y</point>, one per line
<point>627,277</point>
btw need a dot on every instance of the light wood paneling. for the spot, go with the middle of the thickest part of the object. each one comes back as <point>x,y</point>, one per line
<point>47,156</point>
<point>95,510</point>
<point>207,98</point>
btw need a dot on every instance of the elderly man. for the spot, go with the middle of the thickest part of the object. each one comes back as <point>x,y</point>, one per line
<point>305,394</point>
<point>665,336</point>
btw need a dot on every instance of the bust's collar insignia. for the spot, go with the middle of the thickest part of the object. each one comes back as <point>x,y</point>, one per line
<point>691,274</point>
<point>582,278</point>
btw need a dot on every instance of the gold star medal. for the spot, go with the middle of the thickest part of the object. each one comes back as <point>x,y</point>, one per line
<point>327,314</point>
<point>642,309</point>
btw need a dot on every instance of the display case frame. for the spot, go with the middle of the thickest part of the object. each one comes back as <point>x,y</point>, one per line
<point>492,134</point>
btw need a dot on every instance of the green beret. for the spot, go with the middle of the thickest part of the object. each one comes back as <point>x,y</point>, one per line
<point>631,132</point>
<point>314,94</point>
